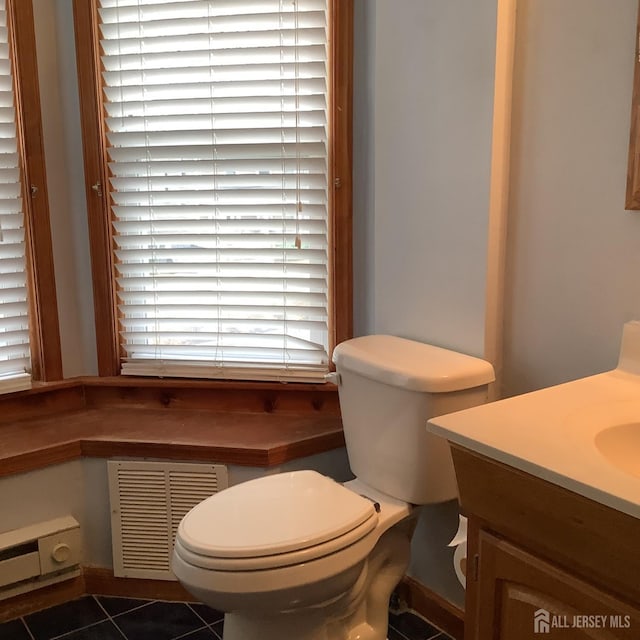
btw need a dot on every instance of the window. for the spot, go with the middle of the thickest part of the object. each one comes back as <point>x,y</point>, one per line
<point>29,337</point>
<point>222,193</point>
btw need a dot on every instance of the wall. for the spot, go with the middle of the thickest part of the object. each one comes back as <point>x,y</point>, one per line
<point>428,144</point>
<point>412,196</point>
<point>65,177</point>
<point>422,125</point>
<point>82,490</point>
<point>423,106</point>
<point>421,176</point>
<point>573,251</point>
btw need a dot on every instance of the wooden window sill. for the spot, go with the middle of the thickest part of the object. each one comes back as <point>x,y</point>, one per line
<point>246,424</point>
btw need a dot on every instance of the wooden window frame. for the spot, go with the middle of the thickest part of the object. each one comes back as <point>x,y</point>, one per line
<point>46,355</point>
<point>97,178</point>
<point>632,196</point>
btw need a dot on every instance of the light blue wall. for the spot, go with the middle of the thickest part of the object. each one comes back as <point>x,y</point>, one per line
<point>574,252</point>
<point>425,98</point>
<point>423,105</point>
<point>423,102</point>
<point>65,183</point>
<point>422,124</point>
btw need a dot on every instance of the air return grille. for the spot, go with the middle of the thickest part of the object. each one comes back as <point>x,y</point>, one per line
<point>148,501</point>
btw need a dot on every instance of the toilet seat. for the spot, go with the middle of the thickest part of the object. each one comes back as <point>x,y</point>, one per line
<point>275,521</point>
<point>279,560</point>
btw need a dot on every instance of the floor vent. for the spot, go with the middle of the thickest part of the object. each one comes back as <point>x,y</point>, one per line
<point>148,501</point>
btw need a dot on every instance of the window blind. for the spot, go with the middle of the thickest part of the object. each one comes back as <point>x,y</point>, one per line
<point>15,361</point>
<point>216,126</point>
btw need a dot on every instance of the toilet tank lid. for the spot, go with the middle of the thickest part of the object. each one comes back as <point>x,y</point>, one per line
<point>413,365</point>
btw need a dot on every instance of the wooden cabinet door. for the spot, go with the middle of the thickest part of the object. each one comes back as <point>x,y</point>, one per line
<point>521,597</point>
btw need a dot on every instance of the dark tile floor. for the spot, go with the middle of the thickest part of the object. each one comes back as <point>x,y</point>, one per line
<point>108,618</point>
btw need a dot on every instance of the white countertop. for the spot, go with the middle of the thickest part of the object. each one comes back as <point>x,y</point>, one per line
<point>550,433</point>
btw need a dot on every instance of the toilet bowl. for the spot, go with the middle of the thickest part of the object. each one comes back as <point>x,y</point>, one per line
<point>299,555</point>
<point>290,542</point>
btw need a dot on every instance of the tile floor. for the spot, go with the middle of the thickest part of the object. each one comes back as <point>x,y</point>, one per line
<point>110,618</point>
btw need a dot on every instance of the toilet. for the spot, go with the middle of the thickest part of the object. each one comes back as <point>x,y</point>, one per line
<point>299,555</point>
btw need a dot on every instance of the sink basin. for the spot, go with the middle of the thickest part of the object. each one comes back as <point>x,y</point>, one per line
<point>620,446</point>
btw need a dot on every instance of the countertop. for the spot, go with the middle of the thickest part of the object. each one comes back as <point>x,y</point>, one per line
<point>550,433</point>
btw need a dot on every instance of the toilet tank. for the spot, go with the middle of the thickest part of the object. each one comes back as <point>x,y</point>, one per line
<point>389,387</point>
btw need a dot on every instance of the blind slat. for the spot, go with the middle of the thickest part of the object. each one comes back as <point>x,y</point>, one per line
<point>204,270</point>
<point>14,322</point>
<point>222,121</point>
<point>215,105</point>
<point>240,196</point>
<point>197,310</point>
<point>209,168</point>
<point>216,150</point>
<point>225,227</point>
<point>168,60</point>
<point>216,122</point>
<point>208,89</point>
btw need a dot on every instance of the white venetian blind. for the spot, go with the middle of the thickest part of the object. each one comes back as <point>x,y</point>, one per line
<point>15,361</point>
<point>216,120</point>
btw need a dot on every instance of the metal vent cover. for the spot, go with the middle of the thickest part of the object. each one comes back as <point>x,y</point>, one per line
<point>148,501</point>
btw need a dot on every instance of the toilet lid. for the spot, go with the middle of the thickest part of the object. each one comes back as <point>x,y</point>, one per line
<point>272,515</point>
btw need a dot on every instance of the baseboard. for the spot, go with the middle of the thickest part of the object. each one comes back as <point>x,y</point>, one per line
<point>95,581</point>
<point>443,614</point>
<point>101,581</point>
<point>43,598</point>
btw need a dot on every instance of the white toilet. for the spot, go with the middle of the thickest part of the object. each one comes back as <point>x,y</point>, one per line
<point>298,555</point>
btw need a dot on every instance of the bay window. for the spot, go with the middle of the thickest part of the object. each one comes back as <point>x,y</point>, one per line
<point>218,153</point>
<point>29,335</point>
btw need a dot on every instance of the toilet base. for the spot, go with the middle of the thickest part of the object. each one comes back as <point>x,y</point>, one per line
<point>317,624</point>
<point>301,625</point>
<point>239,630</point>
<point>360,614</point>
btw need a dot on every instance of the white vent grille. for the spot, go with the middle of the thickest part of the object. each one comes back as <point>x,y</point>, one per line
<point>148,501</point>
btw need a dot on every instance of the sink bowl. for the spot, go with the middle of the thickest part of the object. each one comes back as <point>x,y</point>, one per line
<point>620,446</point>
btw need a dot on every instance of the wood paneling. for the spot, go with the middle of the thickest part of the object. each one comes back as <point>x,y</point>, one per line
<point>96,180</point>
<point>46,358</point>
<point>252,439</point>
<point>341,173</point>
<point>633,164</point>
<point>256,397</point>
<point>247,424</point>
<point>94,581</point>
<point>101,581</point>
<point>514,585</point>
<point>41,400</point>
<point>42,598</point>
<point>592,541</point>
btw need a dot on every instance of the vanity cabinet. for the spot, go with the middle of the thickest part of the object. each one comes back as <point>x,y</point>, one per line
<point>544,562</point>
<point>513,585</point>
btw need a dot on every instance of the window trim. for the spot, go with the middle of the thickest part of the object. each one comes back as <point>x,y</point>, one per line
<point>96,174</point>
<point>46,354</point>
<point>632,194</point>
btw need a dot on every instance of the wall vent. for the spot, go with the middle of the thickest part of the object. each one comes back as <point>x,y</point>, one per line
<point>148,501</point>
<point>39,555</point>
